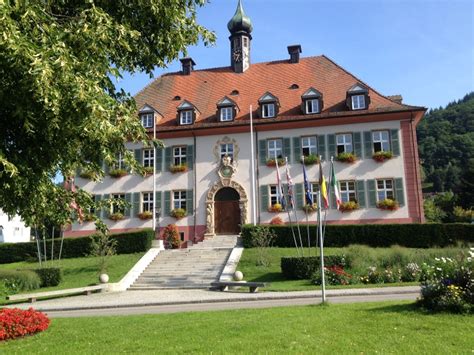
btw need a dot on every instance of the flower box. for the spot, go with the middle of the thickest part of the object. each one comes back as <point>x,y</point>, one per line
<point>145,215</point>
<point>89,217</point>
<point>310,208</point>
<point>116,216</point>
<point>348,206</point>
<point>178,213</point>
<point>117,173</point>
<point>380,157</point>
<point>178,168</point>
<point>310,159</point>
<point>272,162</point>
<point>275,208</point>
<point>346,158</point>
<point>86,174</point>
<point>148,170</point>
<point>388,205</point>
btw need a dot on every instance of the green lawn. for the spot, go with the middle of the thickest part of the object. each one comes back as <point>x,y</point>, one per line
<point>272,272</point>
<point>385,327</point>
<point>79,272</point>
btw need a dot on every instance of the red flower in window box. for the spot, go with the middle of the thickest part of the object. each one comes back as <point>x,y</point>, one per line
<point>178,213</point>
<point>346,157</point>
<point>272,162</point>
<point>118,173</point>
<point>388,204</point>
<point>116,216</point>
<point>148,170</point>
<point>380,157</point>
<point>145,215</point>
<point>181,168</point>
<point>275,208</point>
<point>348,206</point>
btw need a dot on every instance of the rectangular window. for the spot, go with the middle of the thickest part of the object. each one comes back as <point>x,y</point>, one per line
<point>179,199</point>
<point>147,201</point>
<point>268,110</point>
<point>313,188</point>
<point>147,119</point>
<point>179,155</point>
<point>227,149</point>
<point>312,106</point>
<point>308,145</point>
<point>120,162</point>
<point>148,158</point>
<point>274,198</point>
<point>344,143</point>
<point>358,102</point>
<point>245,41</point>
<point>227,114</point>
<point>181,236</point>
<point>115,208</point>
<point>186,117</point>
<point>381,141</point>
<point>348,192</point>
<point>384,189</point>
<point>275,148</point>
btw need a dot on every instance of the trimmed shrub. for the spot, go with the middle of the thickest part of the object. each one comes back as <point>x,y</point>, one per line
<point>303,268</point>
<point>16,323</point>
<point>374,235</point>
<point>127,243</point>
<point>50,276</point>
<point>15,281</point>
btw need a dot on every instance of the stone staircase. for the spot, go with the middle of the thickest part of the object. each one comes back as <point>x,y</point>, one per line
<point>194,267</point>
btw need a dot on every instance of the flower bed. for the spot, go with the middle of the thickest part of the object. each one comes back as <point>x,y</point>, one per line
<point>275,208</point>
<point>348,206</point>
<point>16,323</point>
<point>346,157</point>
<point>310,208</point>
<point>388,205</point>
<point>145,215</point>
<point>310,159</point>
<point>380,157</point>
<point>178,168</point>
<point>272,162</point>
<point>117,173</point>
<point>178,213</point>
<point>116,216</point>
<point>335,275</point>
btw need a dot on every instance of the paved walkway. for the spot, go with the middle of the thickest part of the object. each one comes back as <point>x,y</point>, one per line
<point>183,297</point>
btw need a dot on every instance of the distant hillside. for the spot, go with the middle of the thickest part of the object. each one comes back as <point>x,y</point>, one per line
<point>446,143</point>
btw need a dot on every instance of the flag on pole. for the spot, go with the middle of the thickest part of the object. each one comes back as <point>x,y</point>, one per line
<point>307,190</point>
<point>289,182</point>
<point>280,196</point>
<point>335,185</point>
<point>323,187</point>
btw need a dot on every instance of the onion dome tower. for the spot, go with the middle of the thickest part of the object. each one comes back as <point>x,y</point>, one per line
<point>240,28</point>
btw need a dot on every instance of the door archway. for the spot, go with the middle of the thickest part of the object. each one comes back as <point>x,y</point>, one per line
<point>227,211</point>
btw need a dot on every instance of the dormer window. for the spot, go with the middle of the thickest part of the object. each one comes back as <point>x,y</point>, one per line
<point>186,113</point>
<point>357,97</point>
<point>226,109</point>
<point>147,119</point>
<point>268,105</point>
<point>312,101</point>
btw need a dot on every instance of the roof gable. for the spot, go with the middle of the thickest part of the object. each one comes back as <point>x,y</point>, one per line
<point>267,97</point>
<point>310,93</point>
<point>357,88</point>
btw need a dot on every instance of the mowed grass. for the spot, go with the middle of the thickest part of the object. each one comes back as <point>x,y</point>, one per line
<point>384,327</point>
<point>272,272</point>
<point>79,272</point>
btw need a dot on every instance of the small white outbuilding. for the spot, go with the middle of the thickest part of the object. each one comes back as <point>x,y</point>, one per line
<point>13,230</point>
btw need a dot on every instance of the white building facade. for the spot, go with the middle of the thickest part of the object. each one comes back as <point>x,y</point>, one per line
<point>13,230</point>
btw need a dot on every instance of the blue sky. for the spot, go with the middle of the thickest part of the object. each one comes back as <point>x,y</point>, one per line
<point>423,50</point>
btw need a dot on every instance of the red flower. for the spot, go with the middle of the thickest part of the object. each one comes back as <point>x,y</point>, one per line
<point>15,323</point>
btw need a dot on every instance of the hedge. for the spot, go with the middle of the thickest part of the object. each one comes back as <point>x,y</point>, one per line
<point>303,268</point>
<point>19,280</point>
<point>127,243</point>
<point>50,276</point>
<point>374,235</point>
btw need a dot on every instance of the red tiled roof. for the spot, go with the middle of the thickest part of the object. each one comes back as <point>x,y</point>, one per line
<point>204,88</point>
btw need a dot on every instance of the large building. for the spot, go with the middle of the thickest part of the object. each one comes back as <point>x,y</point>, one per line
<point>13,229</point>
<point>300,106</point>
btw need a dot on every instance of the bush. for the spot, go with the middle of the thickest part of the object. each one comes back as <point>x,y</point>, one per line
<point>262,238</point>
<point>15,281</point>
<point>127,243</point>
<point>277,221</point>
<point>15,323</point>
<point>303,268</point>
<point>171,236</point>
<point>334,275</point>
<point>50,276</point>
<point>374,235</point>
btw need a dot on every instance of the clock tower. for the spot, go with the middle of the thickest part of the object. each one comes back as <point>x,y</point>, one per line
<point>240,28</point>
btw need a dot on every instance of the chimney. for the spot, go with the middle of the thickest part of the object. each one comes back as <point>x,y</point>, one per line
<point>294,52</point>
<point>187,65</point>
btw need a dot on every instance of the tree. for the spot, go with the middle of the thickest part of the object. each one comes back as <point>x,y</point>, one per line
<point>59,107</point>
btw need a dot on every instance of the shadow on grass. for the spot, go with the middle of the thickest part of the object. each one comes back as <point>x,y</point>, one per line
<point>81,270</point>
<point>269,277</point>
<point>408,308</point>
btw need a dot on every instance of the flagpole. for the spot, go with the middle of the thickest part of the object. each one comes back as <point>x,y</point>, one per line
<point>321,253</point>
<point>154,178</point>
<point>292,204</point>
<point>307,222</point>
<point>252,172</point>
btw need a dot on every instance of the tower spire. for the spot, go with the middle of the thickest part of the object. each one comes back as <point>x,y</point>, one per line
<point>240,27</point>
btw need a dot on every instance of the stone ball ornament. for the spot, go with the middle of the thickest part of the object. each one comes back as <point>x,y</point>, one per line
<point>104,278</point>
<point>238,276</point>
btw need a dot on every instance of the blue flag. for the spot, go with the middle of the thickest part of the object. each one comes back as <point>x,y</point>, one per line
<point>307,189</point>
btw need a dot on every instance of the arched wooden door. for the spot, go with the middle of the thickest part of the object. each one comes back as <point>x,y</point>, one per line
<point>227,211</point>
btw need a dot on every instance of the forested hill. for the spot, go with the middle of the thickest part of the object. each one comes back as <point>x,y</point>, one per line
<point>446,143</point>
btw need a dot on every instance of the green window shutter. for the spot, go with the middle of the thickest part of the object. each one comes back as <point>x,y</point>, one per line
<point>262,151</point>
<point>322,146</point>
<point>357,140</point>
<point>399,195</point>
<point>105,167</point>
<point>190,156</point>
<point>189,202</point>
<point>158,201</point>
<point>360,191</point>
<point>332,145</point>
<point>98,211</point>
<point>296,149</point>
<point>395,141</point>
<point>128,201</point>
<point>264,203</point>
<point>167,207</point>
<point>106,211</point>
<point>299,196</point>
<point>368,148</point>
<point>135,204</point>
<point>159,159</point>
<point>372,193</point>
<point>139,156</point>
<point>287,148</point>
<point>168,151</point>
